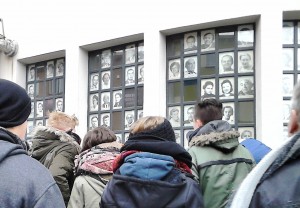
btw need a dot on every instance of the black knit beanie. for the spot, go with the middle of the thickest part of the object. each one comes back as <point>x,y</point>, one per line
<point>163,131</point>
<point>15,104</point>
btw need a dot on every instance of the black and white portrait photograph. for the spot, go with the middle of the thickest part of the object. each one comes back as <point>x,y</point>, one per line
<point>130,54</point>
<point>32,110</point>
<point>39,123</point>
<point>105,120</point>
<point>190,67</point>
<point>30,128</point>
<point>119,138</point>
<point>94,121</point>
<point>226,63</point>
<point>50,69</point>
<point>140,114</point>
<point>39,109</point>
<point>287,33</point>
<point>245,62</point>
<point>174,116</point>
<point>228,112</point>
<point>189,111</point>
<point>190,42</point>
<point>105,80</point>
<point>31,73</point>
<point>60,67</point>
<point>129,119</point>
<point>174,69</point>
<point>117,96</point>
<point>177,136</point>
<point>126,136</point>
<point>245,36</point>
<point>288,59</point>
<point>246,133</point>
<point>105,101</point>
<point>105,59</point>
<point>94,82</point>
<point>246,87</point>
<point>286,111</point>
<point>226,88</point>
<point>59,104</point>
<point>141,52</point>
<point>129,76</point>
<point>208,89</point>
<point>140,74</point>
<point>30,90</point>
<point>94,102</point>
<point>287,84</point>
<point>208,40</point>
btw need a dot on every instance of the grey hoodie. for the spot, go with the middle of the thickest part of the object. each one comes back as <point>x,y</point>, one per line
<point>25,183</point>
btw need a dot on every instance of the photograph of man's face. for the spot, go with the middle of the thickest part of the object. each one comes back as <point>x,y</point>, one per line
<point>105,101</point>
<point>245,61</point>
<point>141,74</point>
<point>130,54</point>
<point>94,82</point>
<point>246,87</point>
<point>60,67</point>
<point>130,76</point>
<point>190,41</point>
<point>129,119</point>
<point>31,73</point>
<point>30,91</point>
<point>174,69</point>
<point>106,80</point>
<point>59,105</point>
<point>189,115</point>
<point>106,59</point>
<point>94,121</point>
<point>190,67</point>
<point>40,109</point>
<point>174,116</point>
<point>226,63</point>
<point>105,118</point>
<point>228,112</point>
<point>117,99</point>
<point>208,40</point>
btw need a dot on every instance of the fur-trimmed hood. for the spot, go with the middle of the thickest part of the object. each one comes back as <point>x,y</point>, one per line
<point>44,137</point>
<point>216,133</point>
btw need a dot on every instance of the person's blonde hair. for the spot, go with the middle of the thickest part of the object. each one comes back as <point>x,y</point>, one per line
<point>146,123</point>
<point>62,121</point>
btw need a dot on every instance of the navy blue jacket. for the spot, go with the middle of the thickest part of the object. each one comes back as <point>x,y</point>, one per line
<point>25,183</point>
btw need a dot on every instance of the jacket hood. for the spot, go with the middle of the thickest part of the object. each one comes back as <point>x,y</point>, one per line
<point>10,145</point>
<point>218,134</point>
<point>46,138</point>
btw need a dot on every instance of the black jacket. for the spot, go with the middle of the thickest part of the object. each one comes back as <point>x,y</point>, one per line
<point>280,184</point>
<point>124,192</point>
<point>25,183</point>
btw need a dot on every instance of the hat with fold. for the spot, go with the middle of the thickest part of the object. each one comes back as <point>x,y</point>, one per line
<point>15,104</point>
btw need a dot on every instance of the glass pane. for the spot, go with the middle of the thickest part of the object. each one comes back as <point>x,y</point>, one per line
<point>245,36</point>
<point>40,89</point>
<point>190,90</point>
<point>208,64</point>
<point>174,92</point>
<point>129,98</point>
<point>117,77</point>
<point>140,98</point>
<point>245,112</point>
<point>117,58</point>
<point>40,73</point>
<point>141,52</point>
<point>49,87</point>
<point>60,67</point>
<point>226,40</point>
<point>116,123</point>
<point>50,69</point>
<point>174,47</point>
<point>59,86</point>
<point>105,59</point>
<point>49,106</point>
<point>130,54</point>
<point>288,59</point>
<point>288,33</point>
<point>94,61</point>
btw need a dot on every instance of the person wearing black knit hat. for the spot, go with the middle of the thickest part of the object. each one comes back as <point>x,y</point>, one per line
<point>27,183</point>
<point>152,170</point>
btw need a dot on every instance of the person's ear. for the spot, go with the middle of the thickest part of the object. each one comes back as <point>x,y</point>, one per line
<point>197,123</point>
<point>293,126</point>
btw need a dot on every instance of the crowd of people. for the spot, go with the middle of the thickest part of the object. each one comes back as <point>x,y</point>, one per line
<point>150,169</point>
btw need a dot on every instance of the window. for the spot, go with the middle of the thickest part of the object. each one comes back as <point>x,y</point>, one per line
<point>116,87</point>
<point>290,66</point>
<point>45,86</point>
<point>212,63</point>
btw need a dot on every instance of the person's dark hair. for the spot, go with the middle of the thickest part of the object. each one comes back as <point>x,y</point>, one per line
<point>191,36</point>
<point>209,33</point>
<point>226,81</point>
<point>208,110</point>
<point>207,83</point>
<point>97,136</point>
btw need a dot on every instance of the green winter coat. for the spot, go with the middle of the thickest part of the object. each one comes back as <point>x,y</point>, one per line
<point>220,163</point>
<point>56,150</point>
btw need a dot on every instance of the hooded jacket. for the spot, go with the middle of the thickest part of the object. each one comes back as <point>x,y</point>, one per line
<point>93,168</point>
<point>150,180</point>
<point>25,182</point>
<point>56,150</point>
<point>220,163</point>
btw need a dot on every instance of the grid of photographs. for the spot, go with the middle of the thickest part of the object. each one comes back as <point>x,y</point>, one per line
<point>212,63</point>
<point>45,82</point>
<point>116,87</point>
<point>290,67</point>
